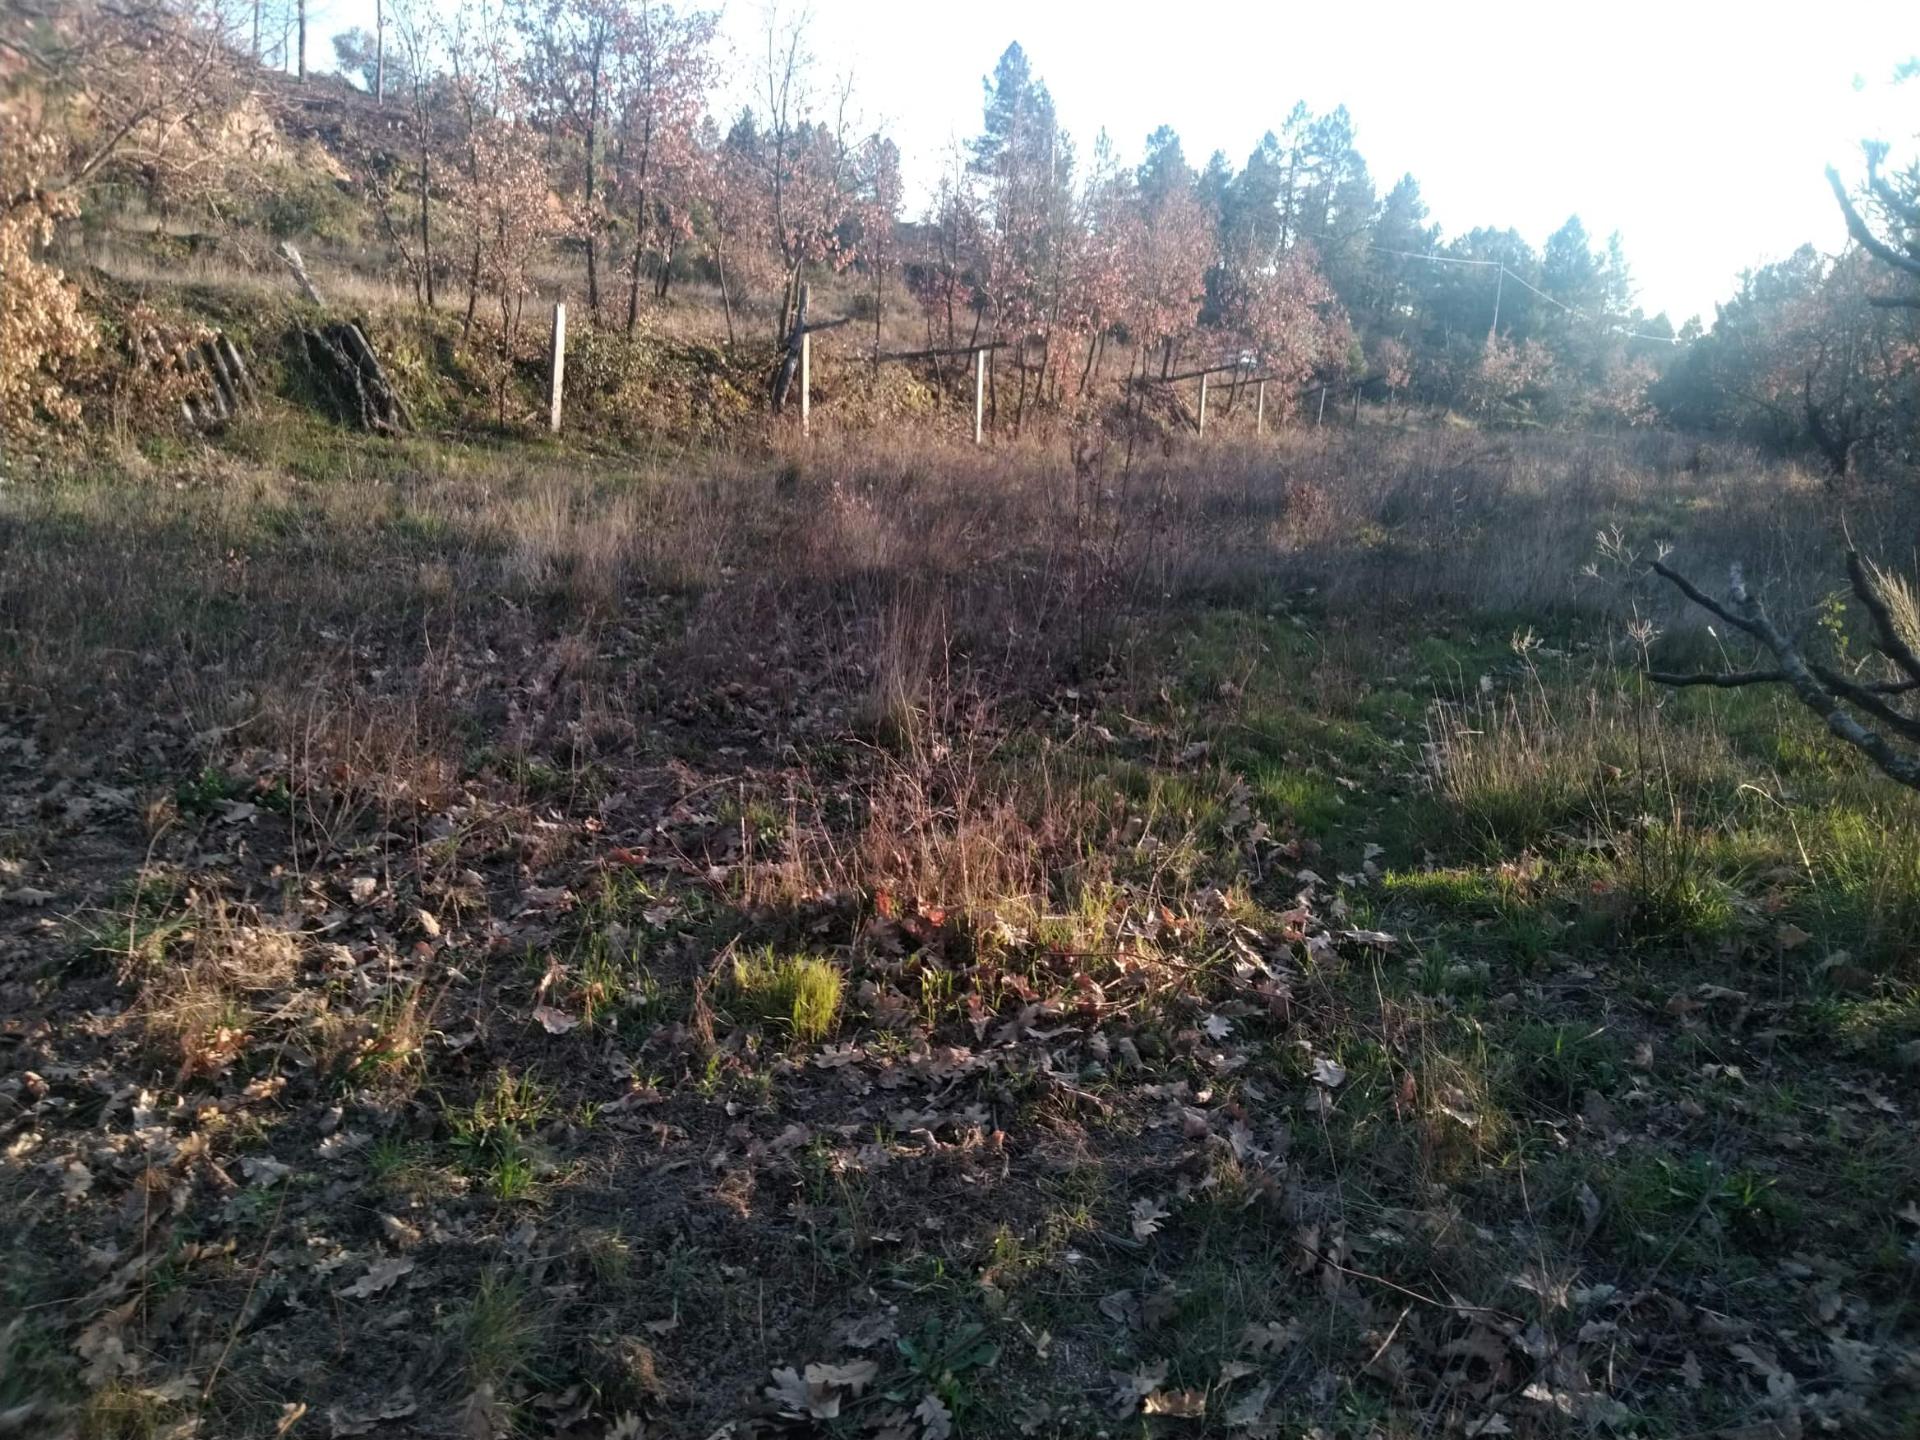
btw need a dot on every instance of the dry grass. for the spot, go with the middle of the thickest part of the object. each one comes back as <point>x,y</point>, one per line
<point>730,889</point>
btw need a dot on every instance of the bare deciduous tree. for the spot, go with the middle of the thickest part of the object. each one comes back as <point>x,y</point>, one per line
<point>1899,208</point>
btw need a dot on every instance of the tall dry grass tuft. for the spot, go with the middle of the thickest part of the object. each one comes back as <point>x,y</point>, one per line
<point>579,547</point>
<point>908,667</point>
<point>200,999</point>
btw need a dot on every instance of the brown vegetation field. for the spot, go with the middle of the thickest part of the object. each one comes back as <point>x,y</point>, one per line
<point>879,938</point>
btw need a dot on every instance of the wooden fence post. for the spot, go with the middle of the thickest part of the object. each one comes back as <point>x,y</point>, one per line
<point>1203,403</point>
<point>1260,408</point>
<point>1321,413</point>
<point>979,391</point>
<point>806,383</point>
<point>557,368</point>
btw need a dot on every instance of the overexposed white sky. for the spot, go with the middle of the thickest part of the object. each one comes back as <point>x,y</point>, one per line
<point>1698,130</point>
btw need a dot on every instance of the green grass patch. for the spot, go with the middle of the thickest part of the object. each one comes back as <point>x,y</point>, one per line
<point>490,1135</point>
<point>800,993</point>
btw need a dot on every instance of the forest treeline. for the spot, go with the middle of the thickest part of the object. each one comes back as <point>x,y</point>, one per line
<point>477,145</point>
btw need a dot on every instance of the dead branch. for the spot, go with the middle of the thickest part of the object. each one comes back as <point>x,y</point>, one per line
<point>1735,679</point>
<point>1821,690</point>
<point>1857,227</point>
<point>1892,644</point>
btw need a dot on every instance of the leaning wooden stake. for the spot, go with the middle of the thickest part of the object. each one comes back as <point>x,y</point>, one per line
<point>806,383</point>
<point>231,354</point>
<point>557,368</point>
<point>290,257</point>
<point>979,392</point>
<point>349,372</point>
<point>1202,427</point>
<point>215,401</point>
<point>1260,408</point>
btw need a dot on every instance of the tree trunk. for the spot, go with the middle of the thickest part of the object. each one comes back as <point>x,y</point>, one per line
<point>1020,399</point>
<point>380,49</point>
<point>302,60</point>
<point>789,298</point>
<point>593,141</point>
<point>665,279</point>
<point>639,255</point>
<point>426,234</point>
<point>993,390</point>
<point>726,300</point>
<point>473,291</point>
<point>1138,361</point>
<point>473,268</point>
<point>790,362</point>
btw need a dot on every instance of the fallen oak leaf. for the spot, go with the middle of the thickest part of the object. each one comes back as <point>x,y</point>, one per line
<point>863,1332</point>
<point>554,1022</point>
<point>1133,1386</point>
<point>1147,1215</point>
<point>790,1393</point>
<point>1270,1338</point>
<point>380,1276</point>
<point>343,1422</point>
<point>264,1170</point>
<point>102,1345</point>
<point>1247,1411</point>
<point>817,1393</point>
<point>934,1417</point>
<point>1378,938</point>
<point>1179,1404</point>
<point>855,1375</point>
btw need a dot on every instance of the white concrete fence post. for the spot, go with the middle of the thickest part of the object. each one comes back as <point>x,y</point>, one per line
<point>979,391</point>
<point>557,368</point>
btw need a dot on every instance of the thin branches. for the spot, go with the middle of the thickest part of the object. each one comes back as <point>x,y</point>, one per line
<point>1735,679</point>
<point>1820,689</point>
<point>1861,231</point>
<point>1892,644</point>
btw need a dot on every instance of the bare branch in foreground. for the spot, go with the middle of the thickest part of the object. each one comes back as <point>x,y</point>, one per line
<point>1821,690</point>
<point>1735,679</point>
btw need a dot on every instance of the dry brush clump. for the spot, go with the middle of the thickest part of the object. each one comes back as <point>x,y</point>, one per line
<point>43,330</point>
